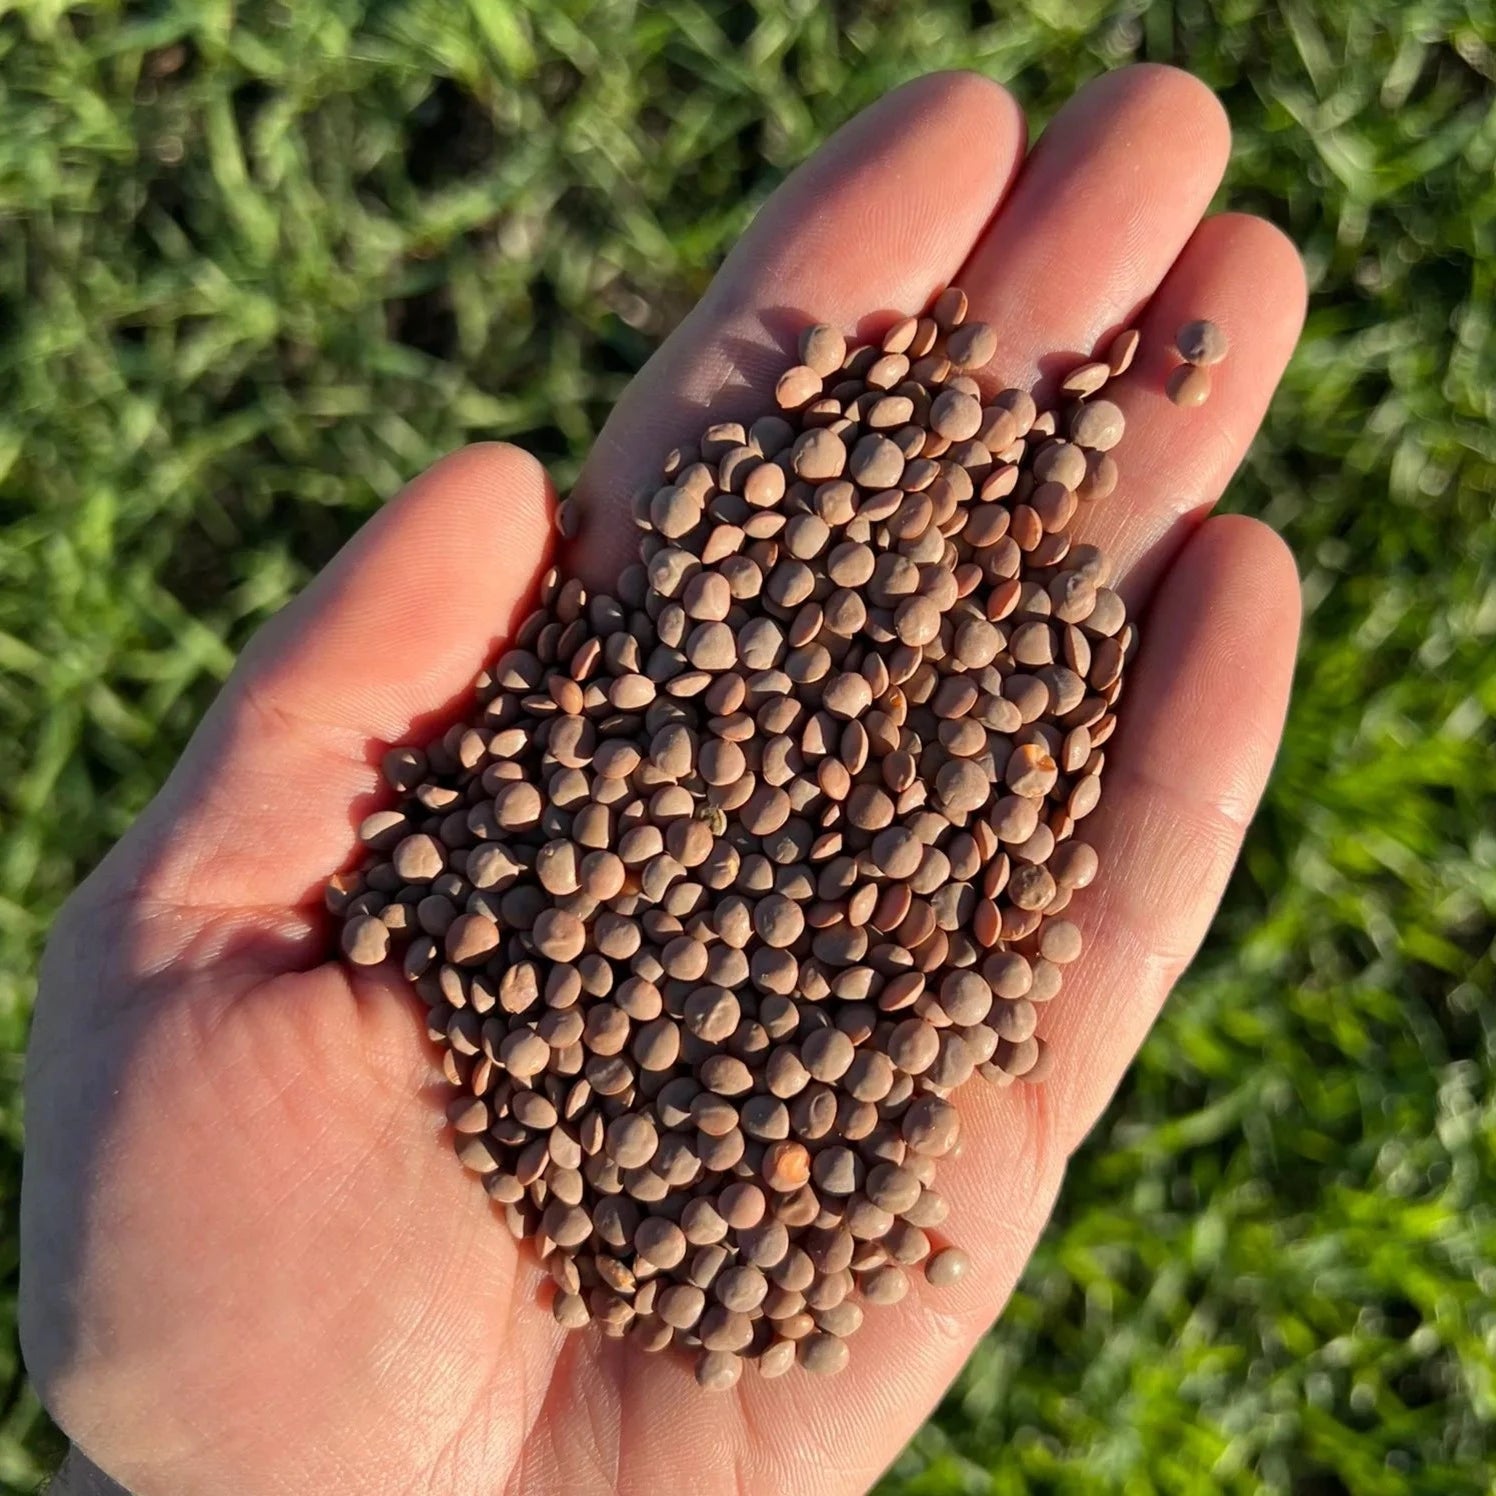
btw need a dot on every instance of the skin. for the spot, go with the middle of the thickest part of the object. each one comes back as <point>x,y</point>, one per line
<point>250,1262</point>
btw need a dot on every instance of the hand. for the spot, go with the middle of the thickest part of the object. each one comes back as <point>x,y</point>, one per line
<point>251,1263</point>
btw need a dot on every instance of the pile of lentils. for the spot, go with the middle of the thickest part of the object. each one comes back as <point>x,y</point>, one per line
<point>730,881</point>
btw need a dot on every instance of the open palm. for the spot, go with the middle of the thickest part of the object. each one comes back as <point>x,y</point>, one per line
<point>251,1263</point>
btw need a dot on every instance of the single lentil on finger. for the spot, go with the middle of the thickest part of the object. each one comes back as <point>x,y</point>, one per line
<point>946,1267</point>
<point>1201,342</point>
<point>1188,385</point>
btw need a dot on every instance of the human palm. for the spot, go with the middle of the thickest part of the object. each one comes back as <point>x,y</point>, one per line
<point>251,1263</point>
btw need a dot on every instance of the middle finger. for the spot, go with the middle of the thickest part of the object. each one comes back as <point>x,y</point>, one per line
<point>1107,199</point>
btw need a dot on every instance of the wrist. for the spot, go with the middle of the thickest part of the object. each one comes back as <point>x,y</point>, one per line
<point>79,1476</point>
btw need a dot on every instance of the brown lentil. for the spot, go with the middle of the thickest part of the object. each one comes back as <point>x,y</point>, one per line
<point>1188,385</point>
<point>947,1267</point>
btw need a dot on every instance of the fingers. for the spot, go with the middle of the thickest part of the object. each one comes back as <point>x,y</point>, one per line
<point>1201,722</point>
<point>880,218</point>
<point>391,633</point>
<point>1103,221</point>
<point>1107,199</point>
<point>1174,463</point>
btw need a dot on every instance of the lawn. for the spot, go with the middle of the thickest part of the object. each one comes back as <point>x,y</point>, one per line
<point>260,263</point>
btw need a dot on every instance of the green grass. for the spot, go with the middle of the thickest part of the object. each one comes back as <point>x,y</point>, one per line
<point>255,272</point>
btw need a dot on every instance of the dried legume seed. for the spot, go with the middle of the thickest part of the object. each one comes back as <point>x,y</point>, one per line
<point>718,1370</point>
<point>366,940</point>
<point>823,1355</point>
<point>947,1266</point>
<point>1188,385</point>
<point>1086,379</point>
<point>972,346</point>
<point>1201,342</point>
<point>1098,424</point>
<point>1121,350</point>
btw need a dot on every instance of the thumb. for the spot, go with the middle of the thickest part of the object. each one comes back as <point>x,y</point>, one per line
<point>265,801</point>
